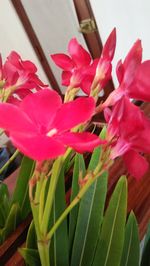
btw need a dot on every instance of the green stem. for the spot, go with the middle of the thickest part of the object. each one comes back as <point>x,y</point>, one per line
<point>8,92</point>
<point>50,196</point>
<point>43,248</point>
<point>75,201</point>
<point>9,161</point>
<point>42,200</point>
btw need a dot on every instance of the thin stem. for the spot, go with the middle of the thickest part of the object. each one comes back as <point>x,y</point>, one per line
<point>43,247</point>
<point>50,196</point>
<point>81,193</point>
<point>42,200</point>
<point>9,161</point>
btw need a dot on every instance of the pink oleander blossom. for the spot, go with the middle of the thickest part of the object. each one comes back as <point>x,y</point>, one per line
<point>128,131</point>
<point>79,70</point>
<point>74,65</point>
<point>127,75</point>
<point>19,74</point>
<point>40,126</point>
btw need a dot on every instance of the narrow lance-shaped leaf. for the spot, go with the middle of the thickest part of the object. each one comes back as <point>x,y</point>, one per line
<point>131,249</point>
<point>13,220</point>
<point>89,217</point>
<point>20,194</point>
<point>31,256</point>
<point>59,250</point>
<point>109,248</point>
<point>78,172</point>
<point>4,204</point>
<point>31,241</point>
<point>145,261</point>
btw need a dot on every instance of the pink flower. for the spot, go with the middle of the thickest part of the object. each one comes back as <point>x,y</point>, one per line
<point>20,74</point>
<point>129,133</point>
<point>127,75</point>
<point>40,126</point>
<point>100,70</point>
<point>80,70</point>
<point>73,65</point>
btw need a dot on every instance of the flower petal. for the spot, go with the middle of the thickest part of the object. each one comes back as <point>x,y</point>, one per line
<point>81,142</point>
<point>79,55</point>
<point>63,61</point>
<point>86,84</point>
<point>38,147</point>
<point>29,66</point>
<point>131,63</point>
<point>136,164</point>
<point>140,89</point>
<point>110,45</point>
<point>74,113</point>
<point>120,71</point>
<point>41,107</point>
<point>13,119</point>
<point>66,76</point>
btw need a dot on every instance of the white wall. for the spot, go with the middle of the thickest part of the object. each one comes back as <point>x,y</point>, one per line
<point>55,23</point>
<point>130,17</point>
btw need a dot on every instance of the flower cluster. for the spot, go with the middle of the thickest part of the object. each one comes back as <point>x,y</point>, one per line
<point>42,126</point>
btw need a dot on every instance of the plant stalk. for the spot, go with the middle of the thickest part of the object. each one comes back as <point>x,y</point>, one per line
<point>50,196</point>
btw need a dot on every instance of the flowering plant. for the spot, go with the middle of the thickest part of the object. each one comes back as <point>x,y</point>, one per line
<point>54,133</point>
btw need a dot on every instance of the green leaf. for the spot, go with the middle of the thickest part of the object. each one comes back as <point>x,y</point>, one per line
<point>13,220</point>
<point>31,256</point>
<point>145,261</point>
<point>3,191</point>
<point>103,132</point>
<point>131,249</point>
<point>90,216</point>
<point>4,204</point>
<point>109,248</point>
<point>59,244</point>
<point>4,210</point>
<point>79,167</point>
<point>89,222</point>
<point>20,194</point>
<point>31,241</point>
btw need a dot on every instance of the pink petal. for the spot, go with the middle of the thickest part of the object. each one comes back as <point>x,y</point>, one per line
<point>81,142</point>
<point>110,45</point>
<point>22,93</point>
<point>29,66</point>
<point>74,113</point>
<point>38,147</point>
<point>136,164</point>
<point>140,89</point>
<point>113,97</point>
<point>76,78</point>
<point>66,76</point>
<point>13,119</point>
<point>121,147</point>
<point>14,100</point>
<point>120,71</point>
<point>14,58</point>
<point>131,63</point>
<point>42,106</point>
<point>91,70</point>
<point>63,61</point>
<point>79,55</point>
<point>107,114</point>
<point>86,84</point>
